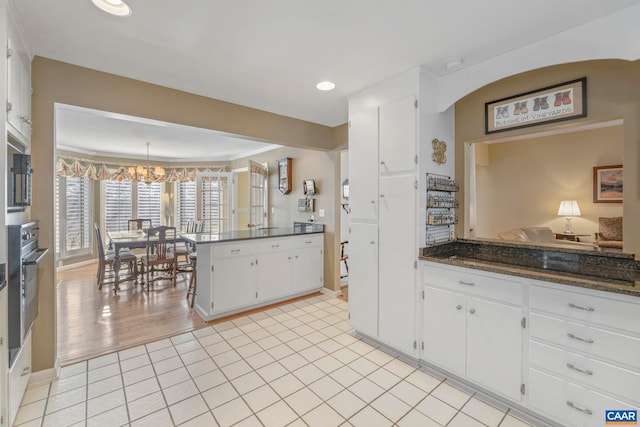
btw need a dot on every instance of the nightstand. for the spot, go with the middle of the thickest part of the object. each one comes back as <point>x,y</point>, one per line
<point>570,237</point>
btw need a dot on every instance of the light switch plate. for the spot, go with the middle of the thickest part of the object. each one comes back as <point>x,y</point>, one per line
<point>321,213</point>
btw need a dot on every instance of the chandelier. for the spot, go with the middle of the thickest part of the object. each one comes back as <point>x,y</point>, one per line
<point>147,174</point>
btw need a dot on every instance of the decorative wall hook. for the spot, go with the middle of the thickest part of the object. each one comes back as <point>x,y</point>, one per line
<point>439,150</point>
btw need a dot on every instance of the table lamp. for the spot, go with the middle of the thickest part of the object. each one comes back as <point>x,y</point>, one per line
<point>568,209</point>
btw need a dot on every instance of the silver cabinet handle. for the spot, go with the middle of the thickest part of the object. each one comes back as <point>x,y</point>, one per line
<point>472,311</point>
<point>572,305</point>
<point>308,242</point>
<point>582,371</point>
<point>462,282</point>
<point>382,195</point>
<point>275,246</point>
<point>382,163</point>
<point>458,307</point>
<point>573,337</point>
<point>373,202</point>
<point>25,371</point>
<point>576,407</point>
<point>373,242</point>
<point>235,251</point>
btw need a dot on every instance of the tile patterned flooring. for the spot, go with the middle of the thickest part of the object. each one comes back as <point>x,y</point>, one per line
<point>295,365</point>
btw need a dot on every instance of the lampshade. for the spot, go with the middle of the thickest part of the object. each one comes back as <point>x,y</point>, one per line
<point>569,208</point>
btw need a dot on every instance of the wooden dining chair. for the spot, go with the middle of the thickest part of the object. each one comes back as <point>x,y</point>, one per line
<point>106,260</point>
<point>159,263</point>
<point>138,224</point>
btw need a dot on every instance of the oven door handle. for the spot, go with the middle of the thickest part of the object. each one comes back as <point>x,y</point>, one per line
<point>35,257</point>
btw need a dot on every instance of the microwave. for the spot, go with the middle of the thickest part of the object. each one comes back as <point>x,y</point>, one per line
<point>19,177</point>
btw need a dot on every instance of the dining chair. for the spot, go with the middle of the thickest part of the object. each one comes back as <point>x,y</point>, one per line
<point>185,249</point>
<point>159,263</point>
<point>138,224</point>
<point>106,259</point>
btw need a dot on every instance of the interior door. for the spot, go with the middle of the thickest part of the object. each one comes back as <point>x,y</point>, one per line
<point>214,192</point>
<point>258,174</point>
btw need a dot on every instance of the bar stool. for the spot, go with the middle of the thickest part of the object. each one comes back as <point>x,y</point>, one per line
<point>192,281</point>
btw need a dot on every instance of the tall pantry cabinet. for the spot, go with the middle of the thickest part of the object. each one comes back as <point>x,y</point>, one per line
<point>388,125</point>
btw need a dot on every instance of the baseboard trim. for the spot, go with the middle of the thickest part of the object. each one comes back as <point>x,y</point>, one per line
<point>330,292</point>
<point>44,376</point>
<point>77,264</point>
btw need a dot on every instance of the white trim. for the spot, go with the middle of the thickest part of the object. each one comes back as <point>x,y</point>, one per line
<point>45,376</point>
<point>329,292</point>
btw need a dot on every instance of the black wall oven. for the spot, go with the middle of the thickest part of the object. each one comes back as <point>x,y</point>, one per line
<point>22,282</point>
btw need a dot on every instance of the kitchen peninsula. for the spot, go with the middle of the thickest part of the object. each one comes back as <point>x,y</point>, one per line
<point>242,270</point>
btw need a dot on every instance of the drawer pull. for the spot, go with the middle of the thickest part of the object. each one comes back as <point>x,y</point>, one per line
<point>572,305</point>
<point>462,282</point>
<point>577,408</point>
<point>472,311</point>
<point>573,337</point>
<point>582,371</point>
<point>235,251</point>
<point>458,307</point>
<point>25,371</point>
<point>307,242</point>
<point>275,246</point>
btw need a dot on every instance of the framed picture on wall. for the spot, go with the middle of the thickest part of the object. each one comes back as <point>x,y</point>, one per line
<point>564,101</point>
<point>607,184</point>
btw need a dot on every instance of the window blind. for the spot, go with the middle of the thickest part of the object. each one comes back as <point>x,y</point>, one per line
<point>149,202</point>
<point>118,206</point>
<point>186,201</point>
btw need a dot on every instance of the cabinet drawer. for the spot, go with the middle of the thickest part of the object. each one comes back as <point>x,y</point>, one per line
<point>608,312</point>
<point>274,245</point>
<point>611,379</point>
<point>232,250</point>
<point>588,339</point>
<point>570,403</point>
<point>307,241</point>
<point>473,284</point>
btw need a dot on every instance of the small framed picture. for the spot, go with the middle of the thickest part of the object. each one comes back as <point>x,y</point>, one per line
<point>607,184</point>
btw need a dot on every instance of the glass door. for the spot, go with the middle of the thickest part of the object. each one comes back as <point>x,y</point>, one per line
<point>257,195</point>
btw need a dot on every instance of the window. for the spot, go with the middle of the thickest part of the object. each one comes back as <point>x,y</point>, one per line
<point>118,205</point>
<point>149,202</point>
<point>186,203</point>
<point>73,216</point>
<point>214,201</point>
<point>123,201</point>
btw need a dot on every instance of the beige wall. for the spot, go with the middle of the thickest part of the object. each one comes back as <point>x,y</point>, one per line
<point>547,170</point>
<point>55,81</point>
<point>613,92</point>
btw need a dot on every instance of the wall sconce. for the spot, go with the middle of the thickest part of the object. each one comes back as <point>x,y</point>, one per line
<point>568,209</point>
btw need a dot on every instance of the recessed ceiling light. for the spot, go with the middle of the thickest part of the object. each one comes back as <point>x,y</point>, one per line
<point>114,7</point>
<point>326,85</point>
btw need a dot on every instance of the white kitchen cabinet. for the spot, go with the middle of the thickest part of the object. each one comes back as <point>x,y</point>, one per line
<point>308,269</point>
<point>396,263</point>
<point>275,266</point>
<point>234,276</point>
<point>240,275</point>
<point>18,84</point>
<point>19,378</point>
<point>363,278</point>
<point>472,326</point>
<point>494,346</point>
<point>583,353</point>
<point>363,165</point>
<point>398,142</point>
<point>444,329</point>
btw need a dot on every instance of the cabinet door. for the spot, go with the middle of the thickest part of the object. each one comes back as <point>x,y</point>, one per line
<point>494,346</point>
<point>274,275</point>
<point>308,268</point>
<point>398,255</point>
<point>444,329</point>
<point>363,278</point>
<point>398,136</point>
<point>19,378</point>
<point>234,282</point>
<point>363,164</point>
<point>3,350</point>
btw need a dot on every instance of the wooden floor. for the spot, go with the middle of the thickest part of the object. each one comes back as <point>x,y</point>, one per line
<point>92,322</point>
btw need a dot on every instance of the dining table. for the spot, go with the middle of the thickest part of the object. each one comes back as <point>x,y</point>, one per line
<point>132,240</point>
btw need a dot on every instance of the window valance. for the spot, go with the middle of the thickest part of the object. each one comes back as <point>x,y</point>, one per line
<point>76,167</point>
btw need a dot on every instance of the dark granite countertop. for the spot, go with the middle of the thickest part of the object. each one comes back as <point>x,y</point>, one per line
<point>604,271</point>
<point>297,230</point>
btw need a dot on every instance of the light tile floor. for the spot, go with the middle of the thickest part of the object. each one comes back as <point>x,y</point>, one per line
<point>295,365</point>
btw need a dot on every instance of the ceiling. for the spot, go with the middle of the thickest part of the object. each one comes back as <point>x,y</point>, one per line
<point>269,55</point>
